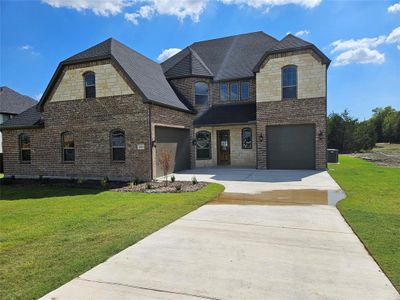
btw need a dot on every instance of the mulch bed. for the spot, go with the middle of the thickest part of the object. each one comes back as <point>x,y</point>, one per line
<point>382,159</point>
<point>159,187</point>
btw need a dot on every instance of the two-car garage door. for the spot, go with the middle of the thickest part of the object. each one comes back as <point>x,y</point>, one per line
<point>177,142</point>
<point>291,146</point>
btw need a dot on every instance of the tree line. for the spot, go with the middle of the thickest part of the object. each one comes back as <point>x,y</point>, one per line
<point>348,134</point>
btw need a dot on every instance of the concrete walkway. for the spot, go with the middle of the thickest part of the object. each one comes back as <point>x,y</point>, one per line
<point>235,251</point>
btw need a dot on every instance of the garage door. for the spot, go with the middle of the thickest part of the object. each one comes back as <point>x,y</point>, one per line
<point>177,142</point>
<point>291,147</point>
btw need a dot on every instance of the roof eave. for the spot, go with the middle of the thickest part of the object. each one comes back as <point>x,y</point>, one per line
<point>169,106</point>
<point>224,124</point>
<point>325,60</point>
<point>37,126</point>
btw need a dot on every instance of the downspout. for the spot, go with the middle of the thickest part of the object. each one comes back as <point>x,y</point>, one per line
<point>150,142</point>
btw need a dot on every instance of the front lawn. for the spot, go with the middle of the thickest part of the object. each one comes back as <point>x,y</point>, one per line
<point>49,235</point>
<point>372,208</point>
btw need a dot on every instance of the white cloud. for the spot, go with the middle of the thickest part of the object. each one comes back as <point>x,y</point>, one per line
<point>99,7</point>
<point>25,47</point>
<point>132,17</point>
<point>269,3</point>
<point>38,96</point>
<point>302,33</point>
<point>178,8</point>
<point>363,50</point>
<point>342,45</point>
<point>394,8</point>
<point>361,56</point>
<point>394,36</point>
<point>167,53</point>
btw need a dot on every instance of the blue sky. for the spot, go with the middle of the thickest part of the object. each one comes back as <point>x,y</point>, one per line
<point>361,37</point>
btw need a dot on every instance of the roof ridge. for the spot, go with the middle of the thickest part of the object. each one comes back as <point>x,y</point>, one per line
<point>183,57</point>
<point>230,36</point>
<point>115,41</point>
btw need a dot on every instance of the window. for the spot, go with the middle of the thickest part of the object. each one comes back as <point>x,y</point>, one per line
<point>223,92</point>
<point>203,145</point>
<point>244,90</point>
<point>90,85</point>
<point>289,82</point>
<point>201,93</point>
<point>24,147</point>
<point>234,91</point>
<point>247,138</point>
<point>118,145</point>
<point>68,145</point>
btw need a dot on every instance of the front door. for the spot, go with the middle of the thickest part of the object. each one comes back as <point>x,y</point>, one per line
<point>224,148</point>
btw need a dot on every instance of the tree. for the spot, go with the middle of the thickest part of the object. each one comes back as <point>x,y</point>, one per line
<point>378,118</point>
<point>165,158</point>
<point>364,136</point>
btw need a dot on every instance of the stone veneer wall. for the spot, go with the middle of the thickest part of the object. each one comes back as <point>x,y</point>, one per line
<point>239,157</point>
<point>91,122</point>
<point>311,76</point>
<point>166,117</point>
<point>109,81</point>
<point>304,111</point>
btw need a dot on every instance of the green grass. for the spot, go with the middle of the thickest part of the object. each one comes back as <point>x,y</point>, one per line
<point>49,235</point>
<point>372,208</point>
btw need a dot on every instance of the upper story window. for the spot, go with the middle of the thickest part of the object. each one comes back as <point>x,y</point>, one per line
<point>201,93</point>
<point>24,148</point>
<point>223,92</point>
<point>90,85</point>
<point>68,145</point>
<point>289,82</point>
<point>247,138</point>
<point>244,90</point>
<point>118,145</point>
<point>203,145</point>
<point>234,91</point>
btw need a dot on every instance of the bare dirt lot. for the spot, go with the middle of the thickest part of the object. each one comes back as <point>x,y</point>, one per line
<point>383,154</point>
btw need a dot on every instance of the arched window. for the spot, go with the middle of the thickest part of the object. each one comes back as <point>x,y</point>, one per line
<point>201,93</point>
<point>90,85</point>
<point>24,148</point>
<point>68,145</point>
<point>247,138</point>
<point>117,145</point>
<point>203,145</point>
<point>289,82</point>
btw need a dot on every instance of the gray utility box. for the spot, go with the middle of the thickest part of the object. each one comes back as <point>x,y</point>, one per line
<point>333,155</point>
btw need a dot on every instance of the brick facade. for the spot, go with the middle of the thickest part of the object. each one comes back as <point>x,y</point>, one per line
<point>91,122</point>
<point>302,111</point>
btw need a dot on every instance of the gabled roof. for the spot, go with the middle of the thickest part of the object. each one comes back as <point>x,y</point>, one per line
<point>225,58</point>
<point>228,114</point>
<point>143,73</point>
<point>27,119</point>
<point>12,102</point>
<point>232,57</point>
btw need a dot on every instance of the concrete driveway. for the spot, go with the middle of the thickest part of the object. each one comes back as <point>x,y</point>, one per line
<point>245,249</point>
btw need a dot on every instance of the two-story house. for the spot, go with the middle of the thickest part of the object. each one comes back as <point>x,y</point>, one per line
<point>244,101</point>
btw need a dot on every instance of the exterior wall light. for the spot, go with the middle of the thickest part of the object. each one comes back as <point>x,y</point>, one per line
<point>260,138</point>
<point>194,142</point>
<point>320,135</point>
<point>154,144</point>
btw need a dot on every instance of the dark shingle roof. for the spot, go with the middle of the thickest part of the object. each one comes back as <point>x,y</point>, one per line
<point>226,58</point>
<point>12,102</point>
<point>28,118</point>
<point>144,73</point>
<point>233,57</point>
<point>228,114</point>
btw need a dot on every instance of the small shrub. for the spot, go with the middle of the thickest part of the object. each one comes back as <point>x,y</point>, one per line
<point>136,181</point>
<point>194,180</point>
<point>104,182</point>
<point>148,186</point>
<point>81,180</point>
<point>178,188</point>
<point>172,178</point>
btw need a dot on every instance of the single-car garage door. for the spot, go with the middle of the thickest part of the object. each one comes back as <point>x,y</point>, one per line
<point>291,147</point>
<point>177,142</point>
